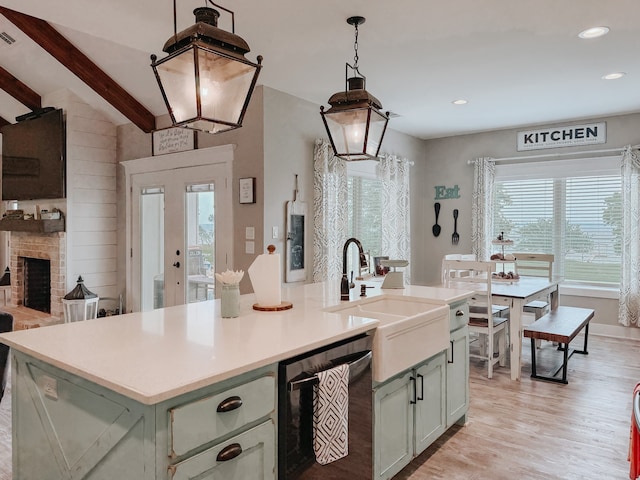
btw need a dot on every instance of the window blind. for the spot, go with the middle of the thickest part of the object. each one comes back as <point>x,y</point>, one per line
<point>569,213</point>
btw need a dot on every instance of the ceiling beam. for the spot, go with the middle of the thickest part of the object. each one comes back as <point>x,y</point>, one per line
<point>80,65</point>
<point>19,90</point>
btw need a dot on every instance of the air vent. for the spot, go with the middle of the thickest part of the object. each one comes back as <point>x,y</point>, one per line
<point>8,39</point>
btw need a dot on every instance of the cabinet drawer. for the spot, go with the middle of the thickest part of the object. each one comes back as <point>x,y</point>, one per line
<point>250,455</point>
<point>202,420</point>
<point>459,316</point>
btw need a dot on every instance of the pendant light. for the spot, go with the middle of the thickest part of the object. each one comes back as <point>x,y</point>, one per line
<point>206,81</point>
<point>354,122</point>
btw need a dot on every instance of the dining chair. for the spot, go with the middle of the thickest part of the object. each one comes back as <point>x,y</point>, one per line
<point>6,325</point>
<point>499,310</point>
<point>535,265</point>
<point>489,327</point>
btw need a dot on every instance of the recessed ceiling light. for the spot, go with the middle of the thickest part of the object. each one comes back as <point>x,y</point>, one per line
<point>460,101</point>
<point>613,76</point>
<point>594,32</point>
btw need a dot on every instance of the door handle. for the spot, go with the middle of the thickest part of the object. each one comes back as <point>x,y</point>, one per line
<point>451,361</point>
<point>421,397</point>
<point>414,401</point>
<point>176,264</point>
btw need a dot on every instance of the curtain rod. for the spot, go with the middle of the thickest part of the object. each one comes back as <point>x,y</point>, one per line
<point>548,155</point>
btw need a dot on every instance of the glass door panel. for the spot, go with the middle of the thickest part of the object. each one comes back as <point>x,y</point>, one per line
<point>152,248</point>
<point>200,238</point>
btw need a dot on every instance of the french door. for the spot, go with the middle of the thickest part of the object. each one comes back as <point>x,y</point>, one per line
<point>181,234</point>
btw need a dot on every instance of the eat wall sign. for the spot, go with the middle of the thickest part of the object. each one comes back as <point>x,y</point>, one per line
<point>443,192</point>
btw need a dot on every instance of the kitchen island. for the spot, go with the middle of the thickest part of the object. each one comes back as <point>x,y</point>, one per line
<point>123,396</point>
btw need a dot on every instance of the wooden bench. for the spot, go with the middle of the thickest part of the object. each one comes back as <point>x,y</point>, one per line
<point>561,325</point>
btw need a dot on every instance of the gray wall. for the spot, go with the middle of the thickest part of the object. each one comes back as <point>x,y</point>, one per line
<point>445,163</point>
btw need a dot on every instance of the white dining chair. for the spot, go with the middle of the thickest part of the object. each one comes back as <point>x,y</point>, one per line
<point>490,328</point>
<point>535,265</point>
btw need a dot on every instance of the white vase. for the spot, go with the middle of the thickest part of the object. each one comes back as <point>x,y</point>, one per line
<point>230,300</point>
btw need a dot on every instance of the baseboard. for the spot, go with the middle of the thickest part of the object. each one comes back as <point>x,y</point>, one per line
<point>618,331</point>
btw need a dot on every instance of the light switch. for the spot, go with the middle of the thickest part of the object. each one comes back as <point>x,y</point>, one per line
<point>249,247</point>
<point>250,233</point>
<point>274,232</point>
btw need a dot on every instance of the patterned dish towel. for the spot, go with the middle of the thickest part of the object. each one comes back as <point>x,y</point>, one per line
<point>331,415</point>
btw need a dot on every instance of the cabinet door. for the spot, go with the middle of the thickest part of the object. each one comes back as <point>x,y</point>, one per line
<point>430,406</point>
<point>393,426</point>
<point>458,376</point>
<point>250,456</point>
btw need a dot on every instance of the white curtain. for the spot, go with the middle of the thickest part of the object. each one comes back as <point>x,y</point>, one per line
<point>329,212</point>
<point>396,222</point>
<point>484,173</point>
<point>629,307</point>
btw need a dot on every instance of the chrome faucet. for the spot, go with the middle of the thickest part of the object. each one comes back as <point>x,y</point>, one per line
<point>345,286</point>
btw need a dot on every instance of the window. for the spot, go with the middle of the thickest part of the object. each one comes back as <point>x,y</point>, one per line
<point>571,209</point>
<point>365,209</point>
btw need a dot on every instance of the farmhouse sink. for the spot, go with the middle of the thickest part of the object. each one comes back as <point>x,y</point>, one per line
<point>410,331</point>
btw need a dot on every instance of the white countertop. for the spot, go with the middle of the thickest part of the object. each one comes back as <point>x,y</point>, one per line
<point>157,355</point>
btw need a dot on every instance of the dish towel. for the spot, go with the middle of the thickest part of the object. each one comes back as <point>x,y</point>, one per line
<point>634,442</point>
<point>331,415</point>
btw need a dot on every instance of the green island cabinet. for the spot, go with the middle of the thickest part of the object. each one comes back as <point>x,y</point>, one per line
<point>66,427</point>
<point>415,407</point>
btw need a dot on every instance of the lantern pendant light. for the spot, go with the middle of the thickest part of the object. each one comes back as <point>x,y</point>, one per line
<point>206,81</point>
<point>354,122</point>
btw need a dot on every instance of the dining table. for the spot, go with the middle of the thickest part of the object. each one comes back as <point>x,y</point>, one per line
<point>515,294</point>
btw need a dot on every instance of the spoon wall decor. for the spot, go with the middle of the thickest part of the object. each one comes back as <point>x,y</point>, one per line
<point>436,228</point>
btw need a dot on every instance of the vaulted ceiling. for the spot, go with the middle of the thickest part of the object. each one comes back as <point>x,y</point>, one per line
<point>517,63</point>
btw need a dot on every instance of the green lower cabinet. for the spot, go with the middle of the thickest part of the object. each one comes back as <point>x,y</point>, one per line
<point>409,414</point>
<point>248,456</point>
<point>458,377</point>
<point>65,427</point>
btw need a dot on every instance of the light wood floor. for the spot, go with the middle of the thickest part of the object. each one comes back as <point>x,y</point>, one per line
<point>522,430</point>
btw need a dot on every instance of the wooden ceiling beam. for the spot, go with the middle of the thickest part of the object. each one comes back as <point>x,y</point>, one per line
<point>19,90</point>
<point>80,65</point>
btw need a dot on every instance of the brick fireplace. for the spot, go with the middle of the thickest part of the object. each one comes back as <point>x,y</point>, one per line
<point>47,246</point>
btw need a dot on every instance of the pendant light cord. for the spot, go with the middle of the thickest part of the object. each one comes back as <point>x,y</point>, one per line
<point>355,49</point>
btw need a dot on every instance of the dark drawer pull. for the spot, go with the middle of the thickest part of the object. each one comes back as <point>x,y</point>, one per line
<point>229,452</point>
<point>459,313</point>
<point>229,404</point>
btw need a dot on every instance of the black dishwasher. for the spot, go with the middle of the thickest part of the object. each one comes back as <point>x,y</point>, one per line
<point>296,458</point>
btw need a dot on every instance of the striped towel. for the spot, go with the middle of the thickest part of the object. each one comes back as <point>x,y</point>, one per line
<point>331,415</point>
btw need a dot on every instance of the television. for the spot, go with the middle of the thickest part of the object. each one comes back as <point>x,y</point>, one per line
<point>34,157</point>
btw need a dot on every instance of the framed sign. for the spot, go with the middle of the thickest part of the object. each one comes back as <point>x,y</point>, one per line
<point>248,190</point>
<point>296,221</point>
<point>565,136</point>
<point>172,140</point>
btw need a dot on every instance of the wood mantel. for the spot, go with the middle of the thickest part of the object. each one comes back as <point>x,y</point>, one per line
<point>33,226</point>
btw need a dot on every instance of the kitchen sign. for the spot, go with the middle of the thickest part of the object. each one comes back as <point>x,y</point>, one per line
<point>569,136</point>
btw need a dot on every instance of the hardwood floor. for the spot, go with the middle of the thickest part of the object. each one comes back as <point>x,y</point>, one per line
<point>522,430</point>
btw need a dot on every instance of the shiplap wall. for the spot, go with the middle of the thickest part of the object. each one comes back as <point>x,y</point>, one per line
<point>91,210</point>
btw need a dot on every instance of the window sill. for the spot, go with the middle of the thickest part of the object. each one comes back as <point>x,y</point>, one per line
<point>589,291</point>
